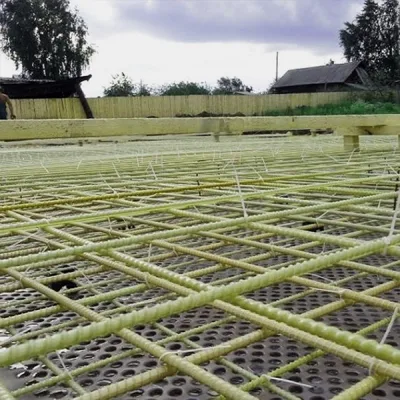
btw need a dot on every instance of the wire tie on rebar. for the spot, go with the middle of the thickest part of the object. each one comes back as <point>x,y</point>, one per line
<point>320,216</point>
<point>390,167</point>
<point>11,246</point>
<point>67,371</point>
<point>390,326</point>
<point>351,155</point>
<point>387,241</point>
<point>229,162</point>
<point>265,166</point>
<point>324,279</point>
<point>116,171</point>
<point>22,275</point>
<point>44,249</point>
<point>85,276</point>
<point>41,163</point>
<point>152,170</point>
<point>272,378</point>
<point>240,194</point>
<point>261,178</point>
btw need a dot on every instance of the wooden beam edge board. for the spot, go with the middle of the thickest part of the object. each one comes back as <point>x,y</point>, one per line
<point>81,128</point>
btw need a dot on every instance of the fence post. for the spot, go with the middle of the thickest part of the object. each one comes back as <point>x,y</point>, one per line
<point>84,102</point>
<point>351,143</point>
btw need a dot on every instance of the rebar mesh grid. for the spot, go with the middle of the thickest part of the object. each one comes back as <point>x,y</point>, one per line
<point>253,268</point>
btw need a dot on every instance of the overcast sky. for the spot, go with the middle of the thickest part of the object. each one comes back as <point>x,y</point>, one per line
<point>164,41</point>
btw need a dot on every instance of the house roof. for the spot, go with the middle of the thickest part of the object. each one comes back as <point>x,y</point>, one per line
<point>244,93</point>
<point>335,73</point>
<point>18,88</point>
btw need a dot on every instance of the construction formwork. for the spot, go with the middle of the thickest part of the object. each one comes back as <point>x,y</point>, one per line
<point>252,268</point>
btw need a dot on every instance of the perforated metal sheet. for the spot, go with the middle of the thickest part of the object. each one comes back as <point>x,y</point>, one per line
<point>61,206</point>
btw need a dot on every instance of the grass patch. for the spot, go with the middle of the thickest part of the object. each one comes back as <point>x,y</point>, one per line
<point>345,108</point>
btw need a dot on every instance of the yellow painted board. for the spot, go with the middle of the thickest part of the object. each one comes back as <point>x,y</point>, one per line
<point>38,129</point>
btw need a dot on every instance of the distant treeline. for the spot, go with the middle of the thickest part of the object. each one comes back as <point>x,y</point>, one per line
<point>123,86</point>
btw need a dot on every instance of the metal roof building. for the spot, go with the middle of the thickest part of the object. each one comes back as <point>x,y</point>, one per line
<point>18,88</point>
<point>332,77</point>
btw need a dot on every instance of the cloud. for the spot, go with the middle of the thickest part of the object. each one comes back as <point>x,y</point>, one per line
<point>165,41</point>
<point>312,24</point>
<point>101,16</point>
<point>159,61</point>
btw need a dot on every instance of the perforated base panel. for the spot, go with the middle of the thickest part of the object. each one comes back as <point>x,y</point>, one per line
<point>328,375</point>
<point>160,206</point>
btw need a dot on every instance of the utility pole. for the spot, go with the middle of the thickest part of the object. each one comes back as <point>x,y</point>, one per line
<point>277,66</point>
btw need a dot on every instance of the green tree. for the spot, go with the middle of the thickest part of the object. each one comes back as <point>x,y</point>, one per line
<point>231,85</point>
<point>184,89</point>
<point>143,90</point>
<point>45,38</point>
<point>120,86</point>
<point>390,58</point>
<point>374,39</point>
<point>123,86</point>
<point>270,88</point>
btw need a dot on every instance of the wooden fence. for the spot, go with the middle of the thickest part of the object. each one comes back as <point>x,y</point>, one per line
<point>170,106</point>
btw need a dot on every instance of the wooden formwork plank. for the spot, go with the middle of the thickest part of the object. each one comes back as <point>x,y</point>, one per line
<point>349,125</point>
